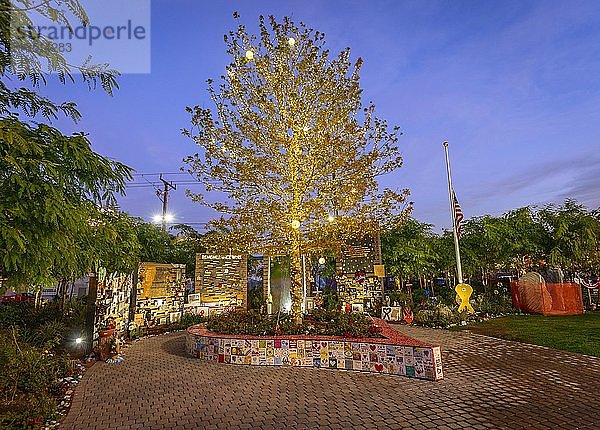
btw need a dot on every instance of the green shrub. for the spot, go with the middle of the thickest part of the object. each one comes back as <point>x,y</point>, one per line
<point>320,322</point>
<point>256,298</point>
<point>28,381</point>
<point>18,314</point>
<point>49,335</point>
<point>331,299</point>
<point>189,319</point>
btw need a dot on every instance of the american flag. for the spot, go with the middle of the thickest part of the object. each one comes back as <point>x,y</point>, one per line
<point>458,214</point>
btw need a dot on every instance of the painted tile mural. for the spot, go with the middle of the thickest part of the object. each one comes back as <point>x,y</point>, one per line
<point>411,361</point>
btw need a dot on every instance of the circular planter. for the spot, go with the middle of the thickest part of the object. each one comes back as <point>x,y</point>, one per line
<point>394,353</point>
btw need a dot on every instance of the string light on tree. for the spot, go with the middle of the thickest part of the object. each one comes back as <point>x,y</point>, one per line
<point>286,165</point>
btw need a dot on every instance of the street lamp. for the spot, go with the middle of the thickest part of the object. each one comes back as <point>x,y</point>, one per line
<point>160,219</point>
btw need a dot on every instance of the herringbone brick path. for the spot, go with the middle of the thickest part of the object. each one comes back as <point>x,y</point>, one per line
<point>488,383</point>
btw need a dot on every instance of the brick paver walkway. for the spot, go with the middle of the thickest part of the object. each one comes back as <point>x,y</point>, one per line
<point>488,383</point>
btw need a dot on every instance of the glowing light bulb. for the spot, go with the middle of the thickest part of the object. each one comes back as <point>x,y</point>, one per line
<point>78,340</point>
<point>249,55</point>
<point>291,41</point>
<point>322,260</point>
<point>295,224</point>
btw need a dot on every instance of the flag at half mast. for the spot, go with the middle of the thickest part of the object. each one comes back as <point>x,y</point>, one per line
<point>458,215</point>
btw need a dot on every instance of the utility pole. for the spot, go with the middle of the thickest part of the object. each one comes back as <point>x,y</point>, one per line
<point>165,196</point>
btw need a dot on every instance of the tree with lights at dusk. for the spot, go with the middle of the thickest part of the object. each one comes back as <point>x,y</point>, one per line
<point>292,149</point>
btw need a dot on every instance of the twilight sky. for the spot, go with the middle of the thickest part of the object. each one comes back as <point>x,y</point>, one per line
<point>514,86</point>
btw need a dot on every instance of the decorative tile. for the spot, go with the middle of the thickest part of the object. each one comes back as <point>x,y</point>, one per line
<point>421,362</point>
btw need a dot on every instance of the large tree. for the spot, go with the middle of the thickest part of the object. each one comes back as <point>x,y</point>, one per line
<point>408,250</point>
<point>53,188</point>
<point>572,236</point>
<point>292,148</point>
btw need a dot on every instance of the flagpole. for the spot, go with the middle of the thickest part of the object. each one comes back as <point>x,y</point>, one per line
<point>453,215</point>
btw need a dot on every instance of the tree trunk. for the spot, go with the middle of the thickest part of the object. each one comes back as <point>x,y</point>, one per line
<point>296,280</point>
<point>63,293</point>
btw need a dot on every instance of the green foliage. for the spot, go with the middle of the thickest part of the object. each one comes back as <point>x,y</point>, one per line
<point>494,302</point>
<point>408,249</point>
<point>28,378</point>
<point>26,59</point>
<point>158,246</point>
<point>189,319</point>
<point>331,299</point>
<point>438,315</point>
<point>256,298</point>
<point>572,236</point>
<point>51,187</point>
<point>521,240</point>
<point>320,322</point>
<point>48,327</point>
<point>338,323</point>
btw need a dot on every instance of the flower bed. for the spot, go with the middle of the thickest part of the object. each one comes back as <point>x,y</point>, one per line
<point>392,353</point>
<point>319,322</point>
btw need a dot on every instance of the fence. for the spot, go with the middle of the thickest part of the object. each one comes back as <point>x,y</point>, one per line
<point>538,297</point>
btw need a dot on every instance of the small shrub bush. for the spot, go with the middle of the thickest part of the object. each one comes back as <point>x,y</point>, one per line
<point>321,322</point>
<point>28,382</point>
<point>189,319</point>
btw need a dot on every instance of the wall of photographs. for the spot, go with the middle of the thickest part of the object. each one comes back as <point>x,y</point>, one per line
<point>113,297</point>
<point>160,293</point>
<point>222,280</point>
<point>357,262</point>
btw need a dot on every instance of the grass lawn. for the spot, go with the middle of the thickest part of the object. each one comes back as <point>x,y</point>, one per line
<point>579,333</point>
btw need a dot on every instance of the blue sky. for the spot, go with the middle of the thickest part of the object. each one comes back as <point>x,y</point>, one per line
<point>514,86</point>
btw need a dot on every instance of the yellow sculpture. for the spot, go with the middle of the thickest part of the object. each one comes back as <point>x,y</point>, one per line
<point>464,291</point>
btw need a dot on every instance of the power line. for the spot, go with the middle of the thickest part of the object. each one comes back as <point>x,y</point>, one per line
<point>159,173</point>
<point>158,191</point>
